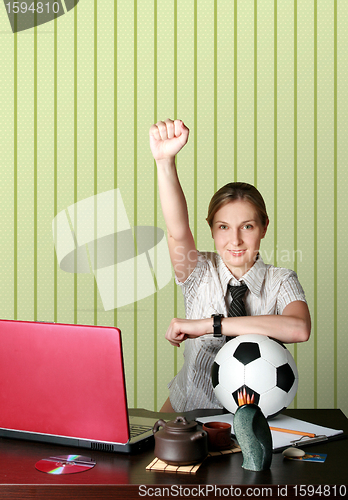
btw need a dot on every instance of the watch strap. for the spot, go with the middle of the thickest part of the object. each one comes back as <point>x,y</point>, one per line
<point>217,324</point>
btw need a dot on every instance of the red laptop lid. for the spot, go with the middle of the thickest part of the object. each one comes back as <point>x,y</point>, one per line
<point>64,380</point>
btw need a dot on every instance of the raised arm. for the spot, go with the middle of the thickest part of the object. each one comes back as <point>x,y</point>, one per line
<point>166,140</point>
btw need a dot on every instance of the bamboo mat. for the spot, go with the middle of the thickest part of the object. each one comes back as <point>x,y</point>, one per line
<point>160,466</point>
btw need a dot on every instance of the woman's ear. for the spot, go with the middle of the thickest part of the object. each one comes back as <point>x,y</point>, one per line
<point>211,229</point>
<point>265,229</point>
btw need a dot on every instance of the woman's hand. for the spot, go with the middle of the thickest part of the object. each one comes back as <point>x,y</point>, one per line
<point>182,329</point>
<point>167,139</point>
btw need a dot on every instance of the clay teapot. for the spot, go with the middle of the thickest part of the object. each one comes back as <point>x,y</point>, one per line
<point>179,442</point>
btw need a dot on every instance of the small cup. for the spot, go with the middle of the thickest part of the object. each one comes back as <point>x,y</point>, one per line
<point>219,435</point>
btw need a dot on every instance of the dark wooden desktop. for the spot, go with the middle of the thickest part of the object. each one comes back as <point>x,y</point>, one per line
<point>119,476</point>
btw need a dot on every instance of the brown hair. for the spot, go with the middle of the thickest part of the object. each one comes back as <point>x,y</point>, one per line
<point>237,191</point>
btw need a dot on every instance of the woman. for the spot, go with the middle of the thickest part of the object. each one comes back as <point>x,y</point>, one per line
<point>274,302</point>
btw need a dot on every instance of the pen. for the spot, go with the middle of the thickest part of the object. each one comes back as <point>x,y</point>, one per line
<point>300,433</point>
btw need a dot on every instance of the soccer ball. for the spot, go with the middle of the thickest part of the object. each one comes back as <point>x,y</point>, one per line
<point>261,366</point>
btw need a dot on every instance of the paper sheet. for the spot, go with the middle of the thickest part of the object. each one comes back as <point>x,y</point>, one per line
<point>282,439</point>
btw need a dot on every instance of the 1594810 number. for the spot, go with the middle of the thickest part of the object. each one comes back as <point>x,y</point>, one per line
<point>38,7</point>
<point>309,490</point>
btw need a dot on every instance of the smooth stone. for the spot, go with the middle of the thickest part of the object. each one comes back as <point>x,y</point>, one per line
<point>293,452</point>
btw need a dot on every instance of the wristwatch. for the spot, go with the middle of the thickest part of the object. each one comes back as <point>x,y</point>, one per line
<point>217,324</point>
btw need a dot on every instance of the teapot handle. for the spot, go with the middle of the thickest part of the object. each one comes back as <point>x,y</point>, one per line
<point>159,423</point>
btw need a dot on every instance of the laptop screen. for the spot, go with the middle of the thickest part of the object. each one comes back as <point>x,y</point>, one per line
<point>63,380</point>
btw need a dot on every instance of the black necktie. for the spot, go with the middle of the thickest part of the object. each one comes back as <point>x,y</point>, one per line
<point>237,307</point>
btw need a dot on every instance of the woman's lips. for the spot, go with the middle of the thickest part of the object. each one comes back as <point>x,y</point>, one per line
<point>237,253</point>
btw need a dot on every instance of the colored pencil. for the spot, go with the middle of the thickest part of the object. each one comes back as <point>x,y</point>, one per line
<point>244,398</point>
<point>289,431</point>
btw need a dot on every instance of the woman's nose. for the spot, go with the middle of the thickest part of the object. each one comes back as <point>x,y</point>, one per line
<point>236,237</point>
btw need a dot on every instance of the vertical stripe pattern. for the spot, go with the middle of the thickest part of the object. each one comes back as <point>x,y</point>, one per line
<point>275,144</point>
<point>295,156</point>
<point>335,199</point>
<point>235,53</point>
<point>315,192</point>
<point>260,86</point>
<point>55,187</point>
<point>75,156</point>
<point>15,178</point>
<point>135,134</point>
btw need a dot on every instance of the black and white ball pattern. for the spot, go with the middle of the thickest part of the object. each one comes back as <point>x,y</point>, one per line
<point>260,365</point>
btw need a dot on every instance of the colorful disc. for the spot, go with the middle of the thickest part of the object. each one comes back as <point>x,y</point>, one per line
<point>66,464</point>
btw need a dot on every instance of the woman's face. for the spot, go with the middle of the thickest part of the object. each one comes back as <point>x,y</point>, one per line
<point>237,232</point>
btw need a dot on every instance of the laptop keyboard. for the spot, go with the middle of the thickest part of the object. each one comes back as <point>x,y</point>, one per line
<point>136,430</point>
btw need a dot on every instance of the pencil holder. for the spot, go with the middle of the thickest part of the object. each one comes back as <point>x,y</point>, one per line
<point>254,437</point>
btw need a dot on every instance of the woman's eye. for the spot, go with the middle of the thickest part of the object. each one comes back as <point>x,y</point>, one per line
<point>223,227</point>
<point>248,226</point>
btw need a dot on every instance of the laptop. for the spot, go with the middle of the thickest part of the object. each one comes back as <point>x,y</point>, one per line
<point>65,384</point>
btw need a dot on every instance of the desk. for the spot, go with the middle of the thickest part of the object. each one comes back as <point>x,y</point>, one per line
<point>109,478</point>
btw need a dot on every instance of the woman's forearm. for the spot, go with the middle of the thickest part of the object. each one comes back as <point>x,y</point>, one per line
<point>286,328</point>
<point>172,198</point>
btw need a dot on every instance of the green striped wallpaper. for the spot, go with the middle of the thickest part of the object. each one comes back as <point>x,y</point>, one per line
<point>262,85</point>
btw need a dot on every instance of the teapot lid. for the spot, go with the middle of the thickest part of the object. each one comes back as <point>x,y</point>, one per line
<point>181,424</point>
